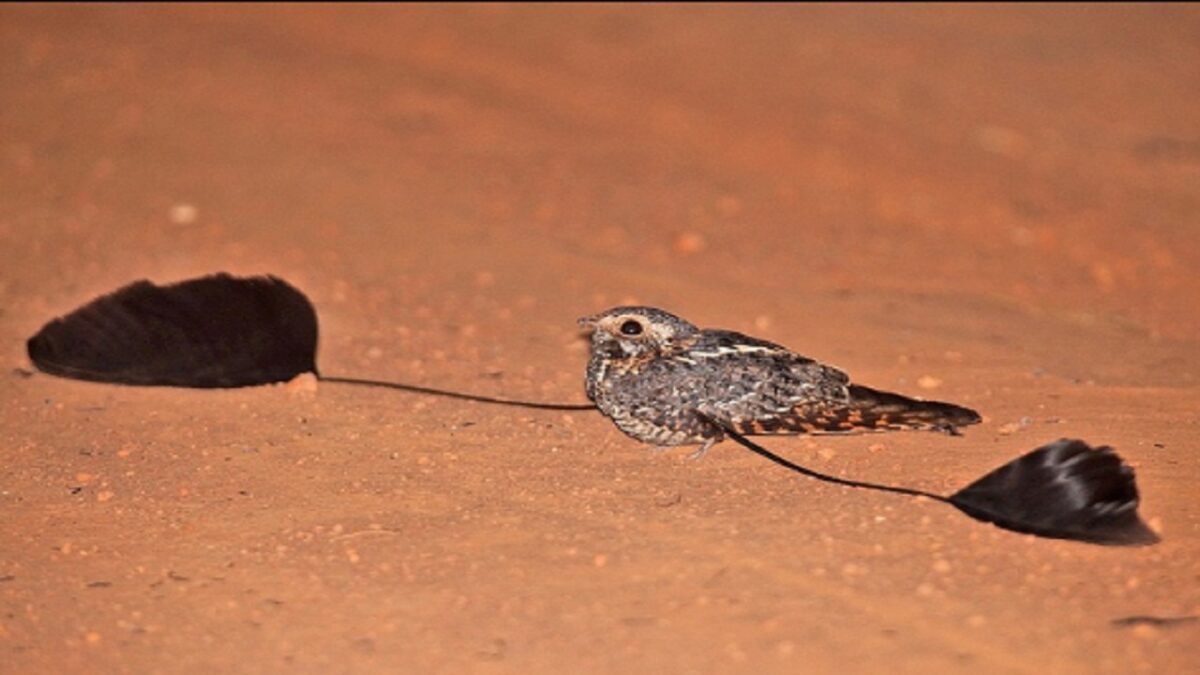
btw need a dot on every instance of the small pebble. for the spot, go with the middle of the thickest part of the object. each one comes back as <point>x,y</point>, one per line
<point>183,214</point>
<point>928,382</point>
<point>1145,631</point>
<point>305,383</point>
<point>687,243</point>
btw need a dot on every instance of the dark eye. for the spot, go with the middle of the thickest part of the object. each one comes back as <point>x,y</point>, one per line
<point>631,327</point>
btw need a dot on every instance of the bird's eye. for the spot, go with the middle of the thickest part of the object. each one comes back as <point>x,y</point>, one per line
<point>631,327</point>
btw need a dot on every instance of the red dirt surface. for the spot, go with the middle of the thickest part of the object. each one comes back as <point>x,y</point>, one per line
<point>995,206</point>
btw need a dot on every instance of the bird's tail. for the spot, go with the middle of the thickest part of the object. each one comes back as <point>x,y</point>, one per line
<point>873,409</point>
<point>868,410</point>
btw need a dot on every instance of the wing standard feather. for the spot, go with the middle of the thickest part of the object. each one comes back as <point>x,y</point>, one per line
<point>215,331</point>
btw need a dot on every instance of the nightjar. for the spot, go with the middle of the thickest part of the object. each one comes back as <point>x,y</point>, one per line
<point>666,382</point>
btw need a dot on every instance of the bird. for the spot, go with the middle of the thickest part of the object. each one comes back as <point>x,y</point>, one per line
<point>666,382</point>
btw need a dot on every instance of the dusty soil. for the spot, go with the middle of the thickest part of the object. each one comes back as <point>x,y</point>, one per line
<point>995,206</point>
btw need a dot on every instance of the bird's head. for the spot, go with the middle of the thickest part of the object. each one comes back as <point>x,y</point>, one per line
<point>636,332</point>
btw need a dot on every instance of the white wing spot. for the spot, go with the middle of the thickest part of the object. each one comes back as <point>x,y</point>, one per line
<point>735,349</point>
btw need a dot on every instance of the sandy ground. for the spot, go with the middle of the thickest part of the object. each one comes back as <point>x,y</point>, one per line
<point>993,206</point>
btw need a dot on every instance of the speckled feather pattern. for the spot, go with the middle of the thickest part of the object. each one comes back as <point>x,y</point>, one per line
<point>664,381</point>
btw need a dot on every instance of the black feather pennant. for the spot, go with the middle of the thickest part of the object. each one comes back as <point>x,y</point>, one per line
<point>1066,489</point>
<point>1062,490</point>
<point>215,331</point>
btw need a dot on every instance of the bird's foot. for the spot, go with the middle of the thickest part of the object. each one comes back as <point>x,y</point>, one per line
<point>703,449</point>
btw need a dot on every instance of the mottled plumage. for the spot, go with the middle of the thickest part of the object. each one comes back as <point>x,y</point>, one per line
<point>666,382</point>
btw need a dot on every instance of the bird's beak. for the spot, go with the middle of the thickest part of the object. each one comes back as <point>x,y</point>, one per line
<point>587,323</point>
